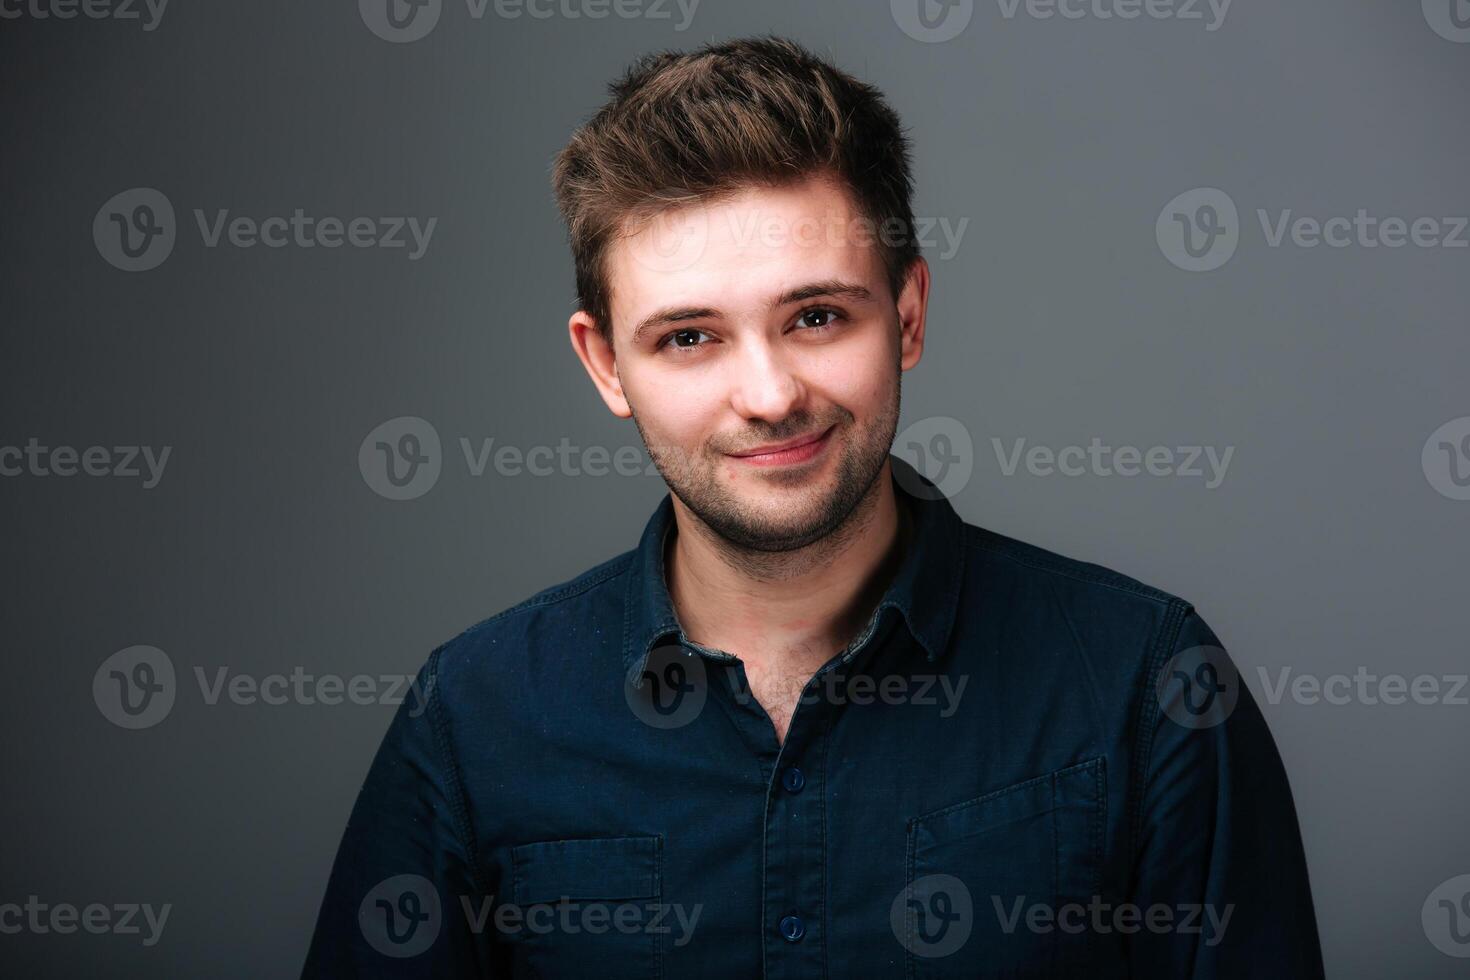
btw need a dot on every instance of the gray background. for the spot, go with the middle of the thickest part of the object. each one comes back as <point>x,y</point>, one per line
<point>263,549</point>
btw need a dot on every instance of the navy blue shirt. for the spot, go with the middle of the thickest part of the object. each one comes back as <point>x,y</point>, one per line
<point>1025,765</point>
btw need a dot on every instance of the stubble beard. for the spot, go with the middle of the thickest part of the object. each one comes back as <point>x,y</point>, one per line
<point>749,536</point>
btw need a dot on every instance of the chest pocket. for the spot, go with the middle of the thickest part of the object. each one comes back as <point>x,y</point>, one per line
<point>998,886</point>
<point>588,907</point>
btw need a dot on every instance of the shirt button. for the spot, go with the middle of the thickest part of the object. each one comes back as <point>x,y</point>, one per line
<point>792,928</point>
<point>793,780</point>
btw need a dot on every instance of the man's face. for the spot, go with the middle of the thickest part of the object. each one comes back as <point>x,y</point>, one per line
<point>754,323</point>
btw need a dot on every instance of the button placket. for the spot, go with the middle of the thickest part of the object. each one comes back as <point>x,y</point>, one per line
<point>795,850</point>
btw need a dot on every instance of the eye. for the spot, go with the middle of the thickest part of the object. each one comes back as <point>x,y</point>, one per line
<point>683,339</point>
<point>818,318</point>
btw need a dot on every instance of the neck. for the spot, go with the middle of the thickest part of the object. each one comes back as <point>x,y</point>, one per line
<point>805,604</point>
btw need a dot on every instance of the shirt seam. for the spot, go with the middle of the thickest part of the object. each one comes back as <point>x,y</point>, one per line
<point>453,777</point>
<point>1105,578</point>
<point>995,794</point>
<point>571,590</point>
<point>1146,722</point>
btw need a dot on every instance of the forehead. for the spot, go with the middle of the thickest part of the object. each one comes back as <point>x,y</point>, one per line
<point>737,252</point>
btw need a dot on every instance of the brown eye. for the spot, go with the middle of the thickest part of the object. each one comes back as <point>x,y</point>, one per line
<point>683,339</point>
<point>818,319</point>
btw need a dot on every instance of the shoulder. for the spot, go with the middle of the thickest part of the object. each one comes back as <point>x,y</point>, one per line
<point>567,615</point>
<point>1117,623</point>
<point>1011,557</point>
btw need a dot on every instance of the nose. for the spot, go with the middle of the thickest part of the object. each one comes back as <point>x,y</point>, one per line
<point>764,386</point>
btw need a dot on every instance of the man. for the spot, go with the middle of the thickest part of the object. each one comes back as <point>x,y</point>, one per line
<point>814,724</point>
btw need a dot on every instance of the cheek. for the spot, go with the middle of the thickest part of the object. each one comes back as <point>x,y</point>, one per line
<point>678,410</point>
<point>860,378</point>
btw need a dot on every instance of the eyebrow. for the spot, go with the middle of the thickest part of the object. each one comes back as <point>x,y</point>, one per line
<point>826,287</point>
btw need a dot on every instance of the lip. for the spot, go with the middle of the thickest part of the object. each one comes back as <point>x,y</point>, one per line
<point>797,450</point>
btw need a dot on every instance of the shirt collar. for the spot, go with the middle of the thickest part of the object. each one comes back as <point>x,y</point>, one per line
<point>925,589</point>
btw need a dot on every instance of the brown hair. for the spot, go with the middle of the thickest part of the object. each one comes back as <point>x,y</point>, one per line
<point>754,111</point>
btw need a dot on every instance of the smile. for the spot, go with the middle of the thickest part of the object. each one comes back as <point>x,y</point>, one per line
<point>799,450</point>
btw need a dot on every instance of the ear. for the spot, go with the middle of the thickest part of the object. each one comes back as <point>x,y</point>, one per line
<point>597,357</point>
<point>913,305</point>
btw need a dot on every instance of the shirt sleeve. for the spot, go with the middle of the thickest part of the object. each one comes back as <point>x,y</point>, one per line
<point>402,897</point>
<point>1218,842</point>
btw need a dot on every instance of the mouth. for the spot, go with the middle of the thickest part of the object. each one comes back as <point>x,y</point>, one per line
<point>798,450</point>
